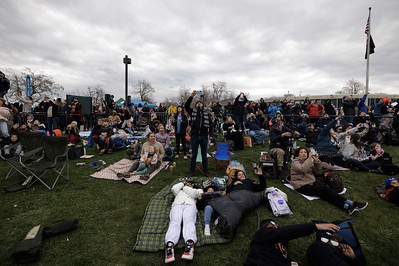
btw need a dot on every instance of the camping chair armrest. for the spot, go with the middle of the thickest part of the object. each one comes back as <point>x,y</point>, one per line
<point>10,146</point>
<point>64,155</point>
<point>32,153</point>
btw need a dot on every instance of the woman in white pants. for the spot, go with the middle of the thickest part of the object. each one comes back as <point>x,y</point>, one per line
<point>183,210</point>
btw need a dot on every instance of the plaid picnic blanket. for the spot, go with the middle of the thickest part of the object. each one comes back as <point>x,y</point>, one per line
<point>151,235</point>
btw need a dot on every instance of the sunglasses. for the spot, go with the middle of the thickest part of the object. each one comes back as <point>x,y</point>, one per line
<point>333,243</point>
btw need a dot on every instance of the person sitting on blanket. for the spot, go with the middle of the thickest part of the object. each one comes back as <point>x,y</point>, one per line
<point>302,178</point>
<point>183,211</point>
<point>239,182</point>
<point>270,242</point>
<point>146,148</point>
<point>210,192</point>
<point>149,158</point>
<point>392,191</point>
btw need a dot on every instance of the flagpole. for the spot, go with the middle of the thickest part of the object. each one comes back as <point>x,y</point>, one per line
<point>368,52</point>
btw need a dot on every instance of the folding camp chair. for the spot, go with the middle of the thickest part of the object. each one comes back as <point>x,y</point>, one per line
<point>198,165</point>
<point>32,150</point>
<point>222,155</point>
<point>55,160</point>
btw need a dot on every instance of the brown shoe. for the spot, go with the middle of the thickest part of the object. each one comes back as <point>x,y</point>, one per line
<point>207,174</point>
<point>191,174</point>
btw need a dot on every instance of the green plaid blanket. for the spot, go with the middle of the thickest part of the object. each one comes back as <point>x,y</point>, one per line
<point>151,235</point>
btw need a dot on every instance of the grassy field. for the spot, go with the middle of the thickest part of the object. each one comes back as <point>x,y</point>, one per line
<point>110,214</point>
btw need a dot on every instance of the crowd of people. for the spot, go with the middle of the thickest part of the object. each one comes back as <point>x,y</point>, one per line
<point>347,136</point>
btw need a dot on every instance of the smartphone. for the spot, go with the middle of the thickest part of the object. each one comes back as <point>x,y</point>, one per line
<point>363,125</point>
<point>312,150</point>
<point>198,92</point>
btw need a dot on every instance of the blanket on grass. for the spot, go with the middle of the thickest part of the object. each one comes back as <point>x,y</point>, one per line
<point>122,167</point>
<point>151,235</point>
<point>310,197</point>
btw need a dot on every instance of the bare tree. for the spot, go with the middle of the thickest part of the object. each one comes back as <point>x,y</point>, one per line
<point>184,93</point>
<point>41,84</point>
<point>96,93</point>
<point>145,90</point>
<point>353,87</point>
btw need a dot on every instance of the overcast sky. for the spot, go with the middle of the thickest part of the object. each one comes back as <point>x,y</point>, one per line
<point>263,47</point>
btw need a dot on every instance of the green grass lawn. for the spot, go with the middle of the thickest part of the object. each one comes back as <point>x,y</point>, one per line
<point>110,214</point>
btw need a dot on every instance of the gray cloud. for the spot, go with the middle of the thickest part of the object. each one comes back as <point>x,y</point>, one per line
<point>263,47</point>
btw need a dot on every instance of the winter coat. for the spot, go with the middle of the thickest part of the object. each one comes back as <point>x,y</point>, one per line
<point>302,172</point>
<point>185,195</point>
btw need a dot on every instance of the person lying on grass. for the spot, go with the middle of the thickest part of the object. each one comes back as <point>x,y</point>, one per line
<point>184,211</point>
<point>269,245</point>
<point>229,219</point>
<point>302,178</point>
<point>210,192</point>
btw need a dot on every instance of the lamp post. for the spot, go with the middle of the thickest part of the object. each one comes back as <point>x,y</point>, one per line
<point>126,61</point>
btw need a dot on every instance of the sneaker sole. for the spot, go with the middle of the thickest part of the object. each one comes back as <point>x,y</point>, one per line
<point>354,211</point>
<point>363,207</point>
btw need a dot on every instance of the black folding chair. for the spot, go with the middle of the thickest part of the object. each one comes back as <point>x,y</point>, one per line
<point>32,150</point>
<point>54,161</point>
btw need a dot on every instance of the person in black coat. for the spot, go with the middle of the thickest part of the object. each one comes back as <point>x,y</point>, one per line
<point>269,245</point>
<point>330,250</point>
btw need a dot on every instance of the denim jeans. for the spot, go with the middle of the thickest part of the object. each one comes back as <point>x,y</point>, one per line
<point>262,135</point>
<point>208,214</point>
<point>197,141</point>
<point>239,119</point>
<point>105,142</point>
<point>4,129</point>
<point>52,123</point>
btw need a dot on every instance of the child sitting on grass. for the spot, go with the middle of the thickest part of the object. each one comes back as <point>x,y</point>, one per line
<point>146,160</point>
<point>392,191</point>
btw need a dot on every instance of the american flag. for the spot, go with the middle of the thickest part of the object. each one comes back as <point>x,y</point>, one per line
<point>367,26</point>
<point>372,46</point>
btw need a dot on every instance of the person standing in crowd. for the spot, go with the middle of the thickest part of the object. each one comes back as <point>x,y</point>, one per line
<point>52,115</point>
<point>110,104</point>
<point>4,116</point>
<point>4,84</point>
<point>329,107</point>
<point>239,110</point>
<point>75,111</point>
<point>126,116</point>
<point>273,109</point>
<point>201,127</point>
<point>348,105</point>
<point>180,123</point>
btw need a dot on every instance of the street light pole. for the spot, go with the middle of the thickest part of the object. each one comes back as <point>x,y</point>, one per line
<point>126,61</point>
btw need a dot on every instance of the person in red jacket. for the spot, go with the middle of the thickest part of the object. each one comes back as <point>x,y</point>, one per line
<point>315,109</point>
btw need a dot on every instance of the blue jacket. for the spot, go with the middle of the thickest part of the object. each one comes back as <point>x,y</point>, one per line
<point>324,139</point>
<point>362,107</point>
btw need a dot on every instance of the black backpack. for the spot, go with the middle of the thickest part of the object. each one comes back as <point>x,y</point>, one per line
<point>333,180</point>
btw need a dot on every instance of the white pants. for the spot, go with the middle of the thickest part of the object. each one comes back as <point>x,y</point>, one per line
<point>179,213</point>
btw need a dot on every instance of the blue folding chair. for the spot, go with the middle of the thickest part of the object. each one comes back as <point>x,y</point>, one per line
<point>222,155</point>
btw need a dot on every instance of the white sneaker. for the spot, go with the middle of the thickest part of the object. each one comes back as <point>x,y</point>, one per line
<point>169,253</point>
<point>188,251</point>
<point>216,221</point>
<point>207,230</point>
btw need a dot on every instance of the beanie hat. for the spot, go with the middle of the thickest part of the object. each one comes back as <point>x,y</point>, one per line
<point>199,101</point>
<point>275,122</point>
<point>389,180</point>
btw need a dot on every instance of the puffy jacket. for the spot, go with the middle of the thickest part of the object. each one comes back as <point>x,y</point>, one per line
<point>185,195</point>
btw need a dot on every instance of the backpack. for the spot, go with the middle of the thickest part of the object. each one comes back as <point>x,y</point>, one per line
<point>119,144</point>
<point>333,180</point>
<point>277,202</point>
